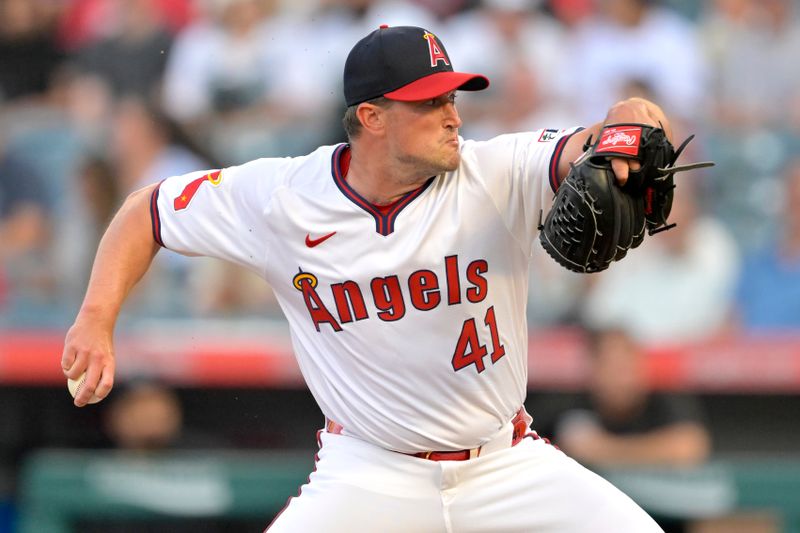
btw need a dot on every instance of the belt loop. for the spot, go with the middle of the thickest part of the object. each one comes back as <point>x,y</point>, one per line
<point>333,427</point>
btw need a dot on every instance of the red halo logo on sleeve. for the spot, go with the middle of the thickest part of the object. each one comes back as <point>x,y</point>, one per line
<point>182,200</point>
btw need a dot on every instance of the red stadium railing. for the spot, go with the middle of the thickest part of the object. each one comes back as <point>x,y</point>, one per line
<point>198,355</point>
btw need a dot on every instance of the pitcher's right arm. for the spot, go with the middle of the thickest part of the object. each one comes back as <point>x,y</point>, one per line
<point>123,256</point>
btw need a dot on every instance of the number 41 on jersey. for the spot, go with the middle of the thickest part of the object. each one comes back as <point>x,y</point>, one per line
<point>469,349</point>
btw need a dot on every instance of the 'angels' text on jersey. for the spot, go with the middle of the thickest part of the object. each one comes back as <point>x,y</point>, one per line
<point>424,290</point>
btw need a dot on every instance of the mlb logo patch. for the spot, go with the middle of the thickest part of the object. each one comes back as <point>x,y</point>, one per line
<point>548,135</point>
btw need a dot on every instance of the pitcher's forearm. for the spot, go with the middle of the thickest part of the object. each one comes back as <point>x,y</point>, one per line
<point>124,255</point>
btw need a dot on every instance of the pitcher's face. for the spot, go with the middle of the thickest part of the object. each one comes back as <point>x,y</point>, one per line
<point>424,134</point>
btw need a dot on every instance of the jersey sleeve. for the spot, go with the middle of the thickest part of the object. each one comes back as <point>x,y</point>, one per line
<point>218,213</point>
<point>519,172</point>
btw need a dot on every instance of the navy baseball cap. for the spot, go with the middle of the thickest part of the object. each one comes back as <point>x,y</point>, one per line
<point>403,63</point>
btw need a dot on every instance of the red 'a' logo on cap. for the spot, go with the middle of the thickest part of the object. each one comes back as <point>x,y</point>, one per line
<point>437,54</point>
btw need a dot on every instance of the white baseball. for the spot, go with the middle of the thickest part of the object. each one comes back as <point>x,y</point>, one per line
<point>74,386</point>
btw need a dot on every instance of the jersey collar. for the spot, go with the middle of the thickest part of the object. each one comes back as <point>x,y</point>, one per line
<point>384,218</point>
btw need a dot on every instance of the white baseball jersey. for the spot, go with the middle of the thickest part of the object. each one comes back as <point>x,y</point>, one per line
<point>409,322</point>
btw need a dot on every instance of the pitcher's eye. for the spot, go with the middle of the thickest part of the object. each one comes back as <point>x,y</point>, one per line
<point>442,100</point>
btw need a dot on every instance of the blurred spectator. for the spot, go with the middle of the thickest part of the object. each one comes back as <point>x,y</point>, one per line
<point>24,230</point>
<point>520,49</point>
<point>372,13</point>
<point>219,63</point>
<point>130,58</point>
<point>23,207</point>
<point>625,422</point>
<point>401,12</point>
<point>100,188</point>
<point>84,22</point>
<point>678,286</point>
<point>147,146</point>
<point>97,197</point>
<point>154,463</point>
<point>145,426</point>
<point>444,9</point>
<point>749,44</point>
<point>768,296</point>
<point>555,294</point>
<point>145,416</point>
<point>641,42</point>
<point>28,53</point>
<point>222,75</point>
<point>572,13</point>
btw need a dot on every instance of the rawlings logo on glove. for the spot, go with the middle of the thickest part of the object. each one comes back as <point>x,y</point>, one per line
<point>613,137</point>
<point>594,221</point>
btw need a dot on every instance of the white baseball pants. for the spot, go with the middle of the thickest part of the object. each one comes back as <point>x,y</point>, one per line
<point>531,487</point>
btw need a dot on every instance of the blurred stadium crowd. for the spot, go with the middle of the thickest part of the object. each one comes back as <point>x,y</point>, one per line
<point>100,97</point>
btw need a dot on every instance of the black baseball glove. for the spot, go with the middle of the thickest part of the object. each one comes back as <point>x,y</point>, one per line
<point>594,221</point>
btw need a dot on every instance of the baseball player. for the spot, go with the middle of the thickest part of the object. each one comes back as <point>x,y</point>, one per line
<point>401,262</point>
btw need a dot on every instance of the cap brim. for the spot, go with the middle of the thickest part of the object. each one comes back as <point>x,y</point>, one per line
<point>438,84</point>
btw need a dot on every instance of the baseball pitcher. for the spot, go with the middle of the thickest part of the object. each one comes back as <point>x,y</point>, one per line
<point>400,260</point>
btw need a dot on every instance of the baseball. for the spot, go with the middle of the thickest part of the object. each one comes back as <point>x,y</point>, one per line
<point>74,386</point>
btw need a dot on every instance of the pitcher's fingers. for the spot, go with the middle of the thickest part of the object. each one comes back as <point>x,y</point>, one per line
<point>621,169</point>
<point>89,385</point>
<point>106,381</point>
<point>68,357</point>
<point>78,361</point>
